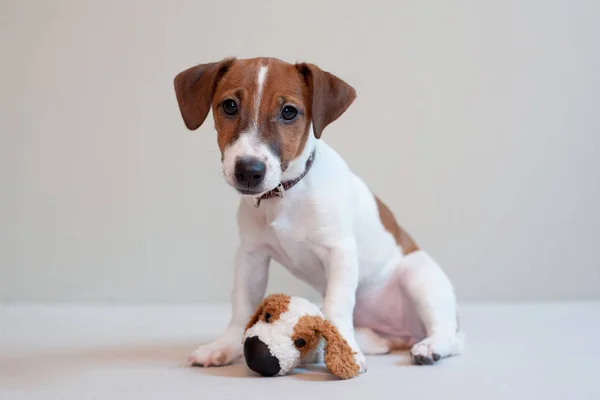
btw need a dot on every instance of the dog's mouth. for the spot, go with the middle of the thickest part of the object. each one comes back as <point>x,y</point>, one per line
<point>251,192</point>
<point>248,192</point>
<point>254,192</point>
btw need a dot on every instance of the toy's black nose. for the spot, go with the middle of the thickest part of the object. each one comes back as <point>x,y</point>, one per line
<point>259,358</point>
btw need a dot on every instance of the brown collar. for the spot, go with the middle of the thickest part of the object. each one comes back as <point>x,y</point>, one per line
<point>284,186</point>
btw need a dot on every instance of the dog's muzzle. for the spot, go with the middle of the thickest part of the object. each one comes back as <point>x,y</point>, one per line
<point>259,357</point>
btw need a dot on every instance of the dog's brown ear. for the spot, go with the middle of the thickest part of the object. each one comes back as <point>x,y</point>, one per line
<point>194,89</point>
<point>339,356</point>
<point>331,96</point>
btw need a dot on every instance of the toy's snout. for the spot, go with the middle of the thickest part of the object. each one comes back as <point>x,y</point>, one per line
<point>259,357</point>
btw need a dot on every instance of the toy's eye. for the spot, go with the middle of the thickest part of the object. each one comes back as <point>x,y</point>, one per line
<point>300,342</point>
<point>267,318</point>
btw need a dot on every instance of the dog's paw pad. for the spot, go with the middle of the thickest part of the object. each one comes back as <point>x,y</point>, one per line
<point>194,363</point>
<point>423,360</point>
<point>422,354</point>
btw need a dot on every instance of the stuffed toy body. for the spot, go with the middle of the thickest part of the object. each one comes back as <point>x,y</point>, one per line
<point>287,331</point>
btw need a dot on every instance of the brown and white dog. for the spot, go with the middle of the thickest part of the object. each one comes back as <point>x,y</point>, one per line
<point>302,206</point>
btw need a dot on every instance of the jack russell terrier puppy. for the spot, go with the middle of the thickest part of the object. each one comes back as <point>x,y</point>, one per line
<point>302,206</point>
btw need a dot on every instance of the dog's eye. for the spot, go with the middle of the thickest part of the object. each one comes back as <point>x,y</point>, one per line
<point>267,318</point>
<point>300,342</point>
<point>230,107</point>
<point>289,113</point>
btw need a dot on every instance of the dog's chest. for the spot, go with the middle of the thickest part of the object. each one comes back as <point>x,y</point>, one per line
<point>288,233</point>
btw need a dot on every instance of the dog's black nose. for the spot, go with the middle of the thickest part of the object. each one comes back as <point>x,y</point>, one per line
<point>259,358</point>
<point>249,172</point>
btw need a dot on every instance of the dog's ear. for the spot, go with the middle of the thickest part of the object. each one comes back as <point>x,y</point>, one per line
<point>339,356</point>
<point>330,96</point>
<point>194,89</point>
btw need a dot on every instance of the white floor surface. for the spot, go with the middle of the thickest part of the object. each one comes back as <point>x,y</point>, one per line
<point>516,351</point>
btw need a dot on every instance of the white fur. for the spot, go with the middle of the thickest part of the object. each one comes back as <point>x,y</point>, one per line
<point>327,232</point>
<point>248,145</point>
<point>297,166</point>
<point>371,343</point>
<point>260,81</point>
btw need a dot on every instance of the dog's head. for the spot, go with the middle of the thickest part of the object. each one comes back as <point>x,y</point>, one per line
<point>267,114</point>
<point>284,330</point>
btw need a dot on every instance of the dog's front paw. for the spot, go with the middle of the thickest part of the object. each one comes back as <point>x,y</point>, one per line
<point>215,354</point>
<point>361,361</point>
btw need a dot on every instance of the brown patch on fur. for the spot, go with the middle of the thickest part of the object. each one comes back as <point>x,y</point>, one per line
<point>389,222</point>
<point>240,84</point>
<point>284,86</point>
<point>339,356</point>
<point>319,97</point>
<point>274,305</point>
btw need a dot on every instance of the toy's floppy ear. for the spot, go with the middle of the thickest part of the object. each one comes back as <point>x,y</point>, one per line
<point>339,356</point>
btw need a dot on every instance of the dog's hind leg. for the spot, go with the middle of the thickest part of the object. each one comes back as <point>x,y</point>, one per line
<point>370,342</point>
<point>432,295</point>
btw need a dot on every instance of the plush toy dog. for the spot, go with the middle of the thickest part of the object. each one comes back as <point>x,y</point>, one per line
<point>286,331</point>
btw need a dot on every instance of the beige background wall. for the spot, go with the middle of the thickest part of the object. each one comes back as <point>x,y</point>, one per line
<point>477,121</point>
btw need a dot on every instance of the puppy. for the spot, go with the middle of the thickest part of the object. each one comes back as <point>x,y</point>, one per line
<point>302,206</point>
